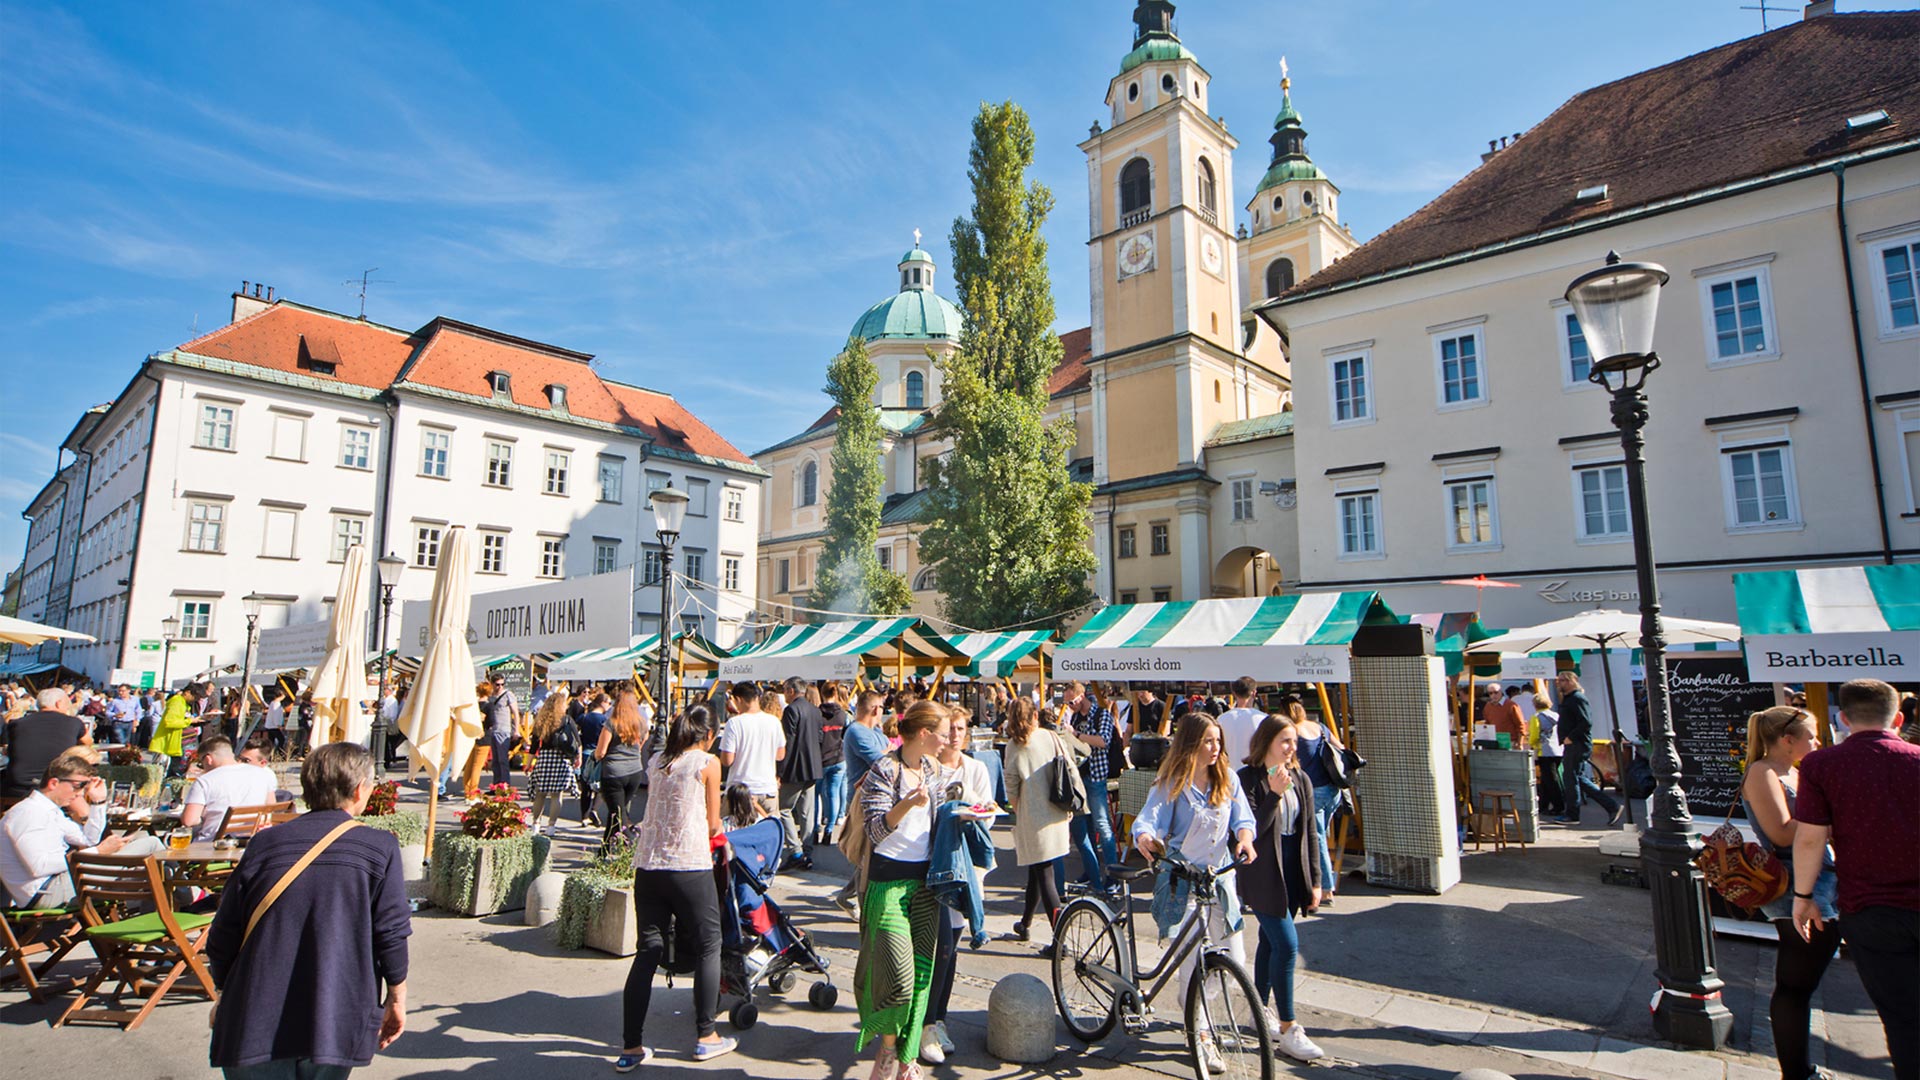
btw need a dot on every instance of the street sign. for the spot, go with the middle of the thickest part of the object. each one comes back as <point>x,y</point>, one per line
<point>148,680</point>
<point>148,645</point>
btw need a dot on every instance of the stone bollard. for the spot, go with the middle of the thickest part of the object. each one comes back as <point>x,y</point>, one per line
<point>1482,1074</point>
<point>543,898</point>
<point>1020,1020</point>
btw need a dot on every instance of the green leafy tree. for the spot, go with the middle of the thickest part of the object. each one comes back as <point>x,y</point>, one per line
<point>850,577</point>
<point>1007,524</point>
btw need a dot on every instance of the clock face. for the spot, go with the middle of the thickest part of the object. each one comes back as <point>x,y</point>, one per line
<point>1136,254</point>
<point>1210,254</point>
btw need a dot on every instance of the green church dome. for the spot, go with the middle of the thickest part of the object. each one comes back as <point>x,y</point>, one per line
<point>912,313</point>
<point>916,256</point>
<point>1155,49</point>
<point>1289,169</point>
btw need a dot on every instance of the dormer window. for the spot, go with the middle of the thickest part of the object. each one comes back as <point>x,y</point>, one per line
<point>557,397</point>
<point>501,382</point>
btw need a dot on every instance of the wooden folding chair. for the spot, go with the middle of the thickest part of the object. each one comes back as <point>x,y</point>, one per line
<point>143,955</point>
<point>247,820</point>
<point>25,934</point>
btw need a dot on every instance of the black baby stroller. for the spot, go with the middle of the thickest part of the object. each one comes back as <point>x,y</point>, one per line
<point>759,945</point>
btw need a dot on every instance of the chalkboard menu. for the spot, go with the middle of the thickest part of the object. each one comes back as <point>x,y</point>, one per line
<point>518,671</point>
<point>1711,702</point>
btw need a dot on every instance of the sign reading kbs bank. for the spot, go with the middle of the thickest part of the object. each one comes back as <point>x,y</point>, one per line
<point>1268,663</point>
<point>1892,655</point>
<point>593,612</point>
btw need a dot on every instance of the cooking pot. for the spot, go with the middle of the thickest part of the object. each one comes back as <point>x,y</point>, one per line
<point>1145,751</point>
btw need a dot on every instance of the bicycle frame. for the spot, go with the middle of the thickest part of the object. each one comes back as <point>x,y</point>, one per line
<point>1191,934</point>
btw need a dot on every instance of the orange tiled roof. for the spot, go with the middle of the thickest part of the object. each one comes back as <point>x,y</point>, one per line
<point>458,357</point>
<point>671,425</point>
<point>287,337</point>
<point>1071,377</point>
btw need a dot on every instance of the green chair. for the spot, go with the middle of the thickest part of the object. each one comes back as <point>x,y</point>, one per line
<point>142,954</point>
<point>27,933</point>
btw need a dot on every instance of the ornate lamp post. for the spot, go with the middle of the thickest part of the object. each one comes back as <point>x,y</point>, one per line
<point>1616,306</point>
<point>387,568</point>
<point>169,630</point>
<point>252,603</point>
<point>669,512</point>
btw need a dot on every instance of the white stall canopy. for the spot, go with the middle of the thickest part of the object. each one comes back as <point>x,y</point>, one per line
<point>1831,624</point>
<point>1306,637</point>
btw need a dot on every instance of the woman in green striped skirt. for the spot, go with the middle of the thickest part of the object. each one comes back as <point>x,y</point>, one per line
<point>899,918</point>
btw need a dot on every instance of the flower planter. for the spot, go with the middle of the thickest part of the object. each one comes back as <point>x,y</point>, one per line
<point>596,911</point>
<point>470,876</point>
<point>615,927</point>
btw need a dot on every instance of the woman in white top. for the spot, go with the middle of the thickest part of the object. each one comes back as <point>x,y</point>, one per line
<point>673,879</point>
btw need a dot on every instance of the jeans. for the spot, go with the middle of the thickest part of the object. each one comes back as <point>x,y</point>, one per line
<point>123,732</point>
<point>660,896</point>
<point>287,1069</point>
<point>796,818</point>
<point>1095,825</point>
<point>957,849</point>
<point>830,797</point>
<point>1885,945</point>
<point>1576,781</point>
<point>497,746</point>
<point>1273,962</point>
<point>1326,800</point>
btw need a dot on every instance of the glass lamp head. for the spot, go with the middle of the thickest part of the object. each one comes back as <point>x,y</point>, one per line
<point>669,510</point>
<point>170,626</point>
<point>1616,306</point>
<point>251,603</point>
<point>388,567</point>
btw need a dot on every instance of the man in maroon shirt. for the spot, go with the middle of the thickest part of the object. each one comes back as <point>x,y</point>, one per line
<point>1864,796</point>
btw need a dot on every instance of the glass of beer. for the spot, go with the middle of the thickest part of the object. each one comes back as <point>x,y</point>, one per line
<point>178,839</point>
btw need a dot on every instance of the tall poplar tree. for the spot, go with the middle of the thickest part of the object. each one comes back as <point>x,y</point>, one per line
<point>1007,525</point>
<point>849,577</point>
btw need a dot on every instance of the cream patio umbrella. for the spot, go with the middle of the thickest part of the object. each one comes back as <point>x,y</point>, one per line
<point>442,716</point>
<point>339,681</point>
<point>21,632</point>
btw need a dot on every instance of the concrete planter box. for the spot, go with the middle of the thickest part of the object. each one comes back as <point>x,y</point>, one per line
<point>481,877</point>
<point>413,865</point>
<point>614,929</point>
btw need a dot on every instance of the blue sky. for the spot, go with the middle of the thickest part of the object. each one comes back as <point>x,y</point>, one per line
<point>705,196</point>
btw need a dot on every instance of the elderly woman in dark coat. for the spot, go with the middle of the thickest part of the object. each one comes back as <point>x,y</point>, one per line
<point>1284,878</point>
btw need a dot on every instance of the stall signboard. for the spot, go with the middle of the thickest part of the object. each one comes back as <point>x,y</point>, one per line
<point>1711,698</point>
<point>1889,655</point>
<point>1267,663</point>
<point>781,666</point>
<point>1526,669</point>
<point>592,612</point>
<point>286,648</point>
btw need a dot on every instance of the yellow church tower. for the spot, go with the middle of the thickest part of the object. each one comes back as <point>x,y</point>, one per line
<point>1296,224</point>
<point>1170,361</point>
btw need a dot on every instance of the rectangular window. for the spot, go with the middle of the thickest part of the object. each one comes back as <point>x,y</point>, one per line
<point>885,554</point>
<point>1737,308</point>
<point>553,554</point>
<point>656,481</point>
<point>1601,495</point>
<point>433,453</point>
<point>289,438</point>
<point>1129,596</point>
<point>196,620</point>
<point>1471,520</point>
<point>1760,487</point>
<point>1899,285</point>
<point>499,464</point>
<point>426,546</point>
<point>493,553</point>
<point>1129,546</point>
<point>278,540</point>
<point>606,556</point>
<point>697,497</point>
<point>1910,443</point>
<point>1461,380</point>
<point>650,566</point>
<point>1158,539</point>
<point>356,448</point>
<point>690,625</point>
<point>696,565</point>
<point>613,478</point>
<point>1162,596</point>
<point>206,526</point>
<point>735,502</point>
<point>1579,357</point>
<point>784,577</point>
<point>1352,388</point>
<point>730,573</point>
<point>1242,492</point>
<point>216,427</point>
<point>1359,515</point>
<point>559,463</point>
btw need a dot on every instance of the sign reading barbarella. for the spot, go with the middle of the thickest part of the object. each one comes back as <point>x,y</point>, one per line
<point>594,612</point>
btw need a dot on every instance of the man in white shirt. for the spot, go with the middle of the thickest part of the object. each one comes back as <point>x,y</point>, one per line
<point>752,744</point>
<point>67,811</point>
<point>224,782</point>
<point>1238,723</point>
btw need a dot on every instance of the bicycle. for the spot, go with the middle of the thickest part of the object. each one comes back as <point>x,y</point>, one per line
<point>1097,982</point>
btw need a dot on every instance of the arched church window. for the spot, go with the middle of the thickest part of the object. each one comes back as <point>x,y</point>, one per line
<point>1136,186</point>
<point>925,581</point>
<point>1279,276</point>
<point>916,390</point>
<point>1208,189</point>
<point>810,484</point>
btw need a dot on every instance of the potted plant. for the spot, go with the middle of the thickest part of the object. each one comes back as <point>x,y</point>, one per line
<point>596,905</point>
<point>383,812</point>
<point>487,865</point>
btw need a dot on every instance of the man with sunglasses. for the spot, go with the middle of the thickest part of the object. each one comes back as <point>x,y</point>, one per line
<point>68,810</point>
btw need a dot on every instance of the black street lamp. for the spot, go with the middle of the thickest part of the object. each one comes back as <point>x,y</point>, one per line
<point>669,513</point>
<point>1616,306</point>
<point>387,568</point>
<point>169,631</point>
<point>251,603</point>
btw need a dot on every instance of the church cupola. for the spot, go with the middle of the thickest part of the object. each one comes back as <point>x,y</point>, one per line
<point>1289,139</point>
<point>916,268</point>
<point>1153,19</point>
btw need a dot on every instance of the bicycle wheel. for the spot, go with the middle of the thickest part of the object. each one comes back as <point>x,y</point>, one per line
<point>1085,940</point>
<point>1225,1025</point>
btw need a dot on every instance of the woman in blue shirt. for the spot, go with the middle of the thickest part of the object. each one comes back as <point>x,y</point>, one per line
<point>1196,810</point>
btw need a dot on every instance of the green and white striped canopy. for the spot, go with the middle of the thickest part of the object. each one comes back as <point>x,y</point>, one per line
<point>1831,624</point>
<point>838,650</point>
<point>990,656</point>
<point>698,653</point>
<point>1299,638</point>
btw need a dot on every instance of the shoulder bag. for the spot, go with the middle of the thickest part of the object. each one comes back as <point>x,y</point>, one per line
<point>281,886</point>
<point>1341,762</point>
<point>1746,874</point>
<point>1065,789</point>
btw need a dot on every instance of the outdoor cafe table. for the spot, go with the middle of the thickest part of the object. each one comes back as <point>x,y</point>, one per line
<point>200,851</point>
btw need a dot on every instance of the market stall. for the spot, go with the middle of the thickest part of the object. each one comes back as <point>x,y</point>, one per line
<point>1299,638</point>
<point>840,650</point>
<point>1831,624</point>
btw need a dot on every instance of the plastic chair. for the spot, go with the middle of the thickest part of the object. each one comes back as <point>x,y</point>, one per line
<point>143,954</point>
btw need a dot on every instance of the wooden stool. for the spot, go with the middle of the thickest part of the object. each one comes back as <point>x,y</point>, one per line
<point>1490,821</point>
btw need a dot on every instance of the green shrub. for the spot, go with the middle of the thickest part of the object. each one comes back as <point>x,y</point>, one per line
<point>454,874</point>
<point>408,828</point>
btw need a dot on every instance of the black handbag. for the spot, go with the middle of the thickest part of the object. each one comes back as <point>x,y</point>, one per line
<point>1065,789</point>
<point>1341,764</point>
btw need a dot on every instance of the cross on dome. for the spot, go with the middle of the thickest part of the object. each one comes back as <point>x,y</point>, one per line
<point>1284,81</point>
<point>916,238</point>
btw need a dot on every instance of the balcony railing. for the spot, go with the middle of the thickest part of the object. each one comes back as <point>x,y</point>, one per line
<point>1137,217</point>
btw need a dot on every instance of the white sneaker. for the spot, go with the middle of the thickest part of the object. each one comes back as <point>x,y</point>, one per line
<point>1273,1021</point>
<point>930,1049</point>
<point>1210,1055</point>
<point>946,1040</point>
<point>1294,1043</point>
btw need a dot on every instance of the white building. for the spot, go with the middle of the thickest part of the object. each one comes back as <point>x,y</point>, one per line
<point>250,459</point>
<point>1443,420</point>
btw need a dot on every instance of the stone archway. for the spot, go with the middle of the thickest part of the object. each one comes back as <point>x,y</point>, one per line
<point>1246,571</point>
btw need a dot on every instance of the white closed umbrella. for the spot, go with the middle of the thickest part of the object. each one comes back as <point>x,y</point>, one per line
<point>1605,629</point>
<point>21,632</point>
<point>339,681</point>
<point>442,716</point>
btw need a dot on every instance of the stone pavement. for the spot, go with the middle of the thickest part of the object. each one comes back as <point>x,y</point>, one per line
<point>1530,967</point>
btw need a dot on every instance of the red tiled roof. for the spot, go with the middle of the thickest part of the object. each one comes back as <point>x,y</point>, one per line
<point>365,354</point>
<point>459,357</point>
<point>1072,376</point>
<point>671,425</point>
<point>1742,110</point>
